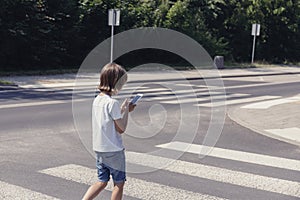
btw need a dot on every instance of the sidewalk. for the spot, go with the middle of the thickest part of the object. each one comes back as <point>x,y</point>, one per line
<point>148,76</point>
<point>279,119</point>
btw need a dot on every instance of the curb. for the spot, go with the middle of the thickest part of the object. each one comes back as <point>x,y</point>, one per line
<point>216,77</point>
<point>179,79</point>
<point>235,118</point>
<point>197,76</point>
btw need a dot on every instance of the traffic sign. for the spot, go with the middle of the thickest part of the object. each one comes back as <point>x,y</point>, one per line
<point>114,17</point>
<point>113,20</point>
<point>255,32</point>
<point>255,29</point>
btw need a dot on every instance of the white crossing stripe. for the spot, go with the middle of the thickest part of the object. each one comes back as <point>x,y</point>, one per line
<point>133,87</point>
<point>241,156</point>
<point>169,97</point>
<point>260,84</point>
<point>269,104</point>
<point>290,188</point>
<point>135,188</point>
<point>208,98</point>
<point>211,87</point>
<point>175,95</point>
<point>236,101</point>
<point>180,92</point>
<point>227,96</point>
<point>14,192</point>
<point>288,133</point>
<point>152,90</point>
<point>189,85</point>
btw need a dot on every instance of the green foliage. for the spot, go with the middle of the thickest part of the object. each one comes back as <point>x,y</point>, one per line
<point>279,41</point>
<point>55,33</point>
<point>280,32</point>
<point>36,33</point>
<point>189,17</point>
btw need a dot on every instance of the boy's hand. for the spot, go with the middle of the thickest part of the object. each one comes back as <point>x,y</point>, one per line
<point>124,105</point>
<point>131,107</point>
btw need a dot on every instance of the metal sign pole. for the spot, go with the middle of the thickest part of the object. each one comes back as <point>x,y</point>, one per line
<point>253,49</point>
<point>113,20</point>
<point>112,44</point>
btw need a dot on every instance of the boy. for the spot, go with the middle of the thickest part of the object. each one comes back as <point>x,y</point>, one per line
<point>109,122</point>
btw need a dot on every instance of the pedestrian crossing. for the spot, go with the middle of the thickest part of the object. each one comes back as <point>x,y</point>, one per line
<point>270,184</point>
<point>246,157</point>
<point>141,188</point>
<point>136,188</point>
<point>197,95</point>
<point>174,93</point>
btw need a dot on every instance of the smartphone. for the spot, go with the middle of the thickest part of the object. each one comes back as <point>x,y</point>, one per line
<point>136,98</point>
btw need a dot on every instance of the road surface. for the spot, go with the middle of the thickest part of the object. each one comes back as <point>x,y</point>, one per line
<point>43,156</point>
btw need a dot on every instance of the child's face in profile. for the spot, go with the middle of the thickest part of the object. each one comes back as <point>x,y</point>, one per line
<point>120,85</point>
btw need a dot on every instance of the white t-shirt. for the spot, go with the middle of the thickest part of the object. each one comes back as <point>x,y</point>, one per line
<point>105,136</point>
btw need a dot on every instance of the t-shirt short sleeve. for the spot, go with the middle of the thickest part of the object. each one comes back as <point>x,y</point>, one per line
<point>115,110</point>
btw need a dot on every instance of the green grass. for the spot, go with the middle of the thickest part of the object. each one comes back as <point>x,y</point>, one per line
<point>232,65</point>
<point>4,82</point>
<point>37,72</point>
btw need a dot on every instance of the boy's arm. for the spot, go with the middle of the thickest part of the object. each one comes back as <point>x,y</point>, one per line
<point>121,124</point>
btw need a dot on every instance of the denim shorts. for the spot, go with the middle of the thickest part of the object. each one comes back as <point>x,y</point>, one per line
<point>111,163</point>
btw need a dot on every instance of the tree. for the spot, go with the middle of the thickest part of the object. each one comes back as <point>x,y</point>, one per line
<point>189,17</point>
<point>54,33</point>
<point>280,38</point>
<point>36,33</point>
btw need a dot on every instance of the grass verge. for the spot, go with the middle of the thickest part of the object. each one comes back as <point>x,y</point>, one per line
<point>37,72</point>
<point>4,82</point>
<point>231,65</point>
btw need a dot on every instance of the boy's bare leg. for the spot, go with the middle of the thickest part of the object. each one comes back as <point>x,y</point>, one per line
<point>94,190</point>
<point>117,193</point>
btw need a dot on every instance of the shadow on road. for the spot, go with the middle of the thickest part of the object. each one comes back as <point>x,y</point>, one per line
<point>17,93</point>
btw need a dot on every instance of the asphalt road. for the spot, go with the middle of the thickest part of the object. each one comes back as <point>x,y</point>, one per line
<point>43,155</point>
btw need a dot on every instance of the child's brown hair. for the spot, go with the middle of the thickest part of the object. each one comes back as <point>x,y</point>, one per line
<point>112,78</point>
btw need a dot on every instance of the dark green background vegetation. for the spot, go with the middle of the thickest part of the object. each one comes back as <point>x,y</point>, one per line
<point>51,34</point>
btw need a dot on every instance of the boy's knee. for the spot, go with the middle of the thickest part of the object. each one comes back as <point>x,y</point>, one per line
<point>102,184</point>
<point>119,185</point>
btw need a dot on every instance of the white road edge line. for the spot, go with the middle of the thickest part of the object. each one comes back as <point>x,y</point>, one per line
<point>135,188</point>
<point>208,98</point>
<point>9,191</point>
<point>240,156</point>
<point>237,101</point>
